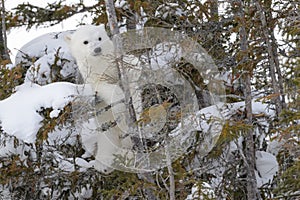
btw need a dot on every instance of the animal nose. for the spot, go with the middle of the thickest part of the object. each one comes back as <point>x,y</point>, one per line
<point>97,50</point>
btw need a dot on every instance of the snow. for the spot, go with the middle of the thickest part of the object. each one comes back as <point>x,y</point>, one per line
<point>164,54</point>
<point>206,192</point>
<point>69,164</point>
<point>120,3</point>
<point>275,146</point>
<point>257,108</point>
<point>222,111</point>
<point>18,37</point>
<point>46,43</point>
<point>267,167</point>
<point>23,121</point>
<point>19,113</point>
<point>47,48</point>
<point>169,9</point>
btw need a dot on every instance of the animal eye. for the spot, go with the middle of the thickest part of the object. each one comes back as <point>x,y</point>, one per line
<point>99,38</point>
<point>85,42</point>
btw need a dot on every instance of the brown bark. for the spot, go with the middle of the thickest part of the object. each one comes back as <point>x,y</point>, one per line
<point>269,38</point>
<point>113,23</point>
<point>114,28</point>
<point>249,151</point>
<point>3,38</point>
<point>112,17</point>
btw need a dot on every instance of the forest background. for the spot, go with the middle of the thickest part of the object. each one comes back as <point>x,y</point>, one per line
<point>254,44</point>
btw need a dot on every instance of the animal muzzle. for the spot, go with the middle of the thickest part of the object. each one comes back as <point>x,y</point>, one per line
<point>97,50</point>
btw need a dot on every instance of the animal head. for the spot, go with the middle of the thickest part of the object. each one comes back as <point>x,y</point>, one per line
<point>89,41</point>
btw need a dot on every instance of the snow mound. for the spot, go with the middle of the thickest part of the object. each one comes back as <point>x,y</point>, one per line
<point>47,56</point>
<point>19,113</point>
<point>267,167</point>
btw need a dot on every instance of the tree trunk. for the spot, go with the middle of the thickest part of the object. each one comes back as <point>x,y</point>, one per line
<point>269,38</point>
<point>252,191</point>
<point>112,17</point>
<point>113,23</point>
<point>3,38</point>
<point>114,28</point>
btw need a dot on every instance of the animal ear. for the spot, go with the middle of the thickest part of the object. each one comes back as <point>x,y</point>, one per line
<point>68,38</point>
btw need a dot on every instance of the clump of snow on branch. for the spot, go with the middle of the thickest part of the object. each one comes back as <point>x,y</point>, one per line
<point>19,113</point>
<point>45,53</point>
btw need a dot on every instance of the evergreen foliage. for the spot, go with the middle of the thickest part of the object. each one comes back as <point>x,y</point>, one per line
<point>216,25</point>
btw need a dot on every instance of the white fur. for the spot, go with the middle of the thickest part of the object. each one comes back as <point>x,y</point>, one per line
<point>95,66</point>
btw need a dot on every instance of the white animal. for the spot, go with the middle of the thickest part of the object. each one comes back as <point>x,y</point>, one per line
<point>93,50</point>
